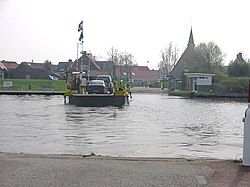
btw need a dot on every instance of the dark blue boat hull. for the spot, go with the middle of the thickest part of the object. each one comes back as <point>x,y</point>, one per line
<point>97,100</point>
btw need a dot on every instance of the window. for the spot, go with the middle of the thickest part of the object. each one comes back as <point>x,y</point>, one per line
<point>27,77</point>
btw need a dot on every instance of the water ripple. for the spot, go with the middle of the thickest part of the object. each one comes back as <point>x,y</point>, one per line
<point>152,125</point>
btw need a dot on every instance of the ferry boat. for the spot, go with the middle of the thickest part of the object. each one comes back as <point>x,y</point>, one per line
<point>98,100</point>
<point>77,83</point>
<point>118,98</point>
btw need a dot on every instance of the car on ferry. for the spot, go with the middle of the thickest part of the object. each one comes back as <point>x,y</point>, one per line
<point>97,87</point>
<point>108,81</point>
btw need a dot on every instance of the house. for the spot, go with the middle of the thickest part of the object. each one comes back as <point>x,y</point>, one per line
<point>107,67</point>
<point>139,75</point>
<point>85,63</point>
<point>90,67</point>
<point>185,59</point>
<point>10,65</point>
<point>143,76</point>
<point>61,68</point>
<point>30,70</point>
<point>6,67</point>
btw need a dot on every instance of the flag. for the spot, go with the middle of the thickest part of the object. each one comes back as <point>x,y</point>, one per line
<point>81,36</point>
<point>80,26</point>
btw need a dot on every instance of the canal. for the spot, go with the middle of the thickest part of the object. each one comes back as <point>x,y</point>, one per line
<point>153,125</point>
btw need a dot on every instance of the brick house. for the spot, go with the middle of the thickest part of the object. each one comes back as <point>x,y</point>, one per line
<point>90,66</point>
<point>139,75</point>
<point>30,70</point>
<point>6,67</point>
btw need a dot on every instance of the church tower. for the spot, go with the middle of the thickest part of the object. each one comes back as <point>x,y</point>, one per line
<point>185,58</point>
<point>191,39</point>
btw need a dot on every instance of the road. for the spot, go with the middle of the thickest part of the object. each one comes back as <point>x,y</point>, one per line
<point>63,170</point>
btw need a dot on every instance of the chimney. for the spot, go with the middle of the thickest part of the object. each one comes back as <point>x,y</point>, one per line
<point>239,56</point>
<point>89,54</point>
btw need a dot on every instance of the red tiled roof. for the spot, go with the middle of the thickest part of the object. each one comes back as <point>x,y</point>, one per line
<point>144,73</point>
<point>141,73</point>
<point>10,65</point>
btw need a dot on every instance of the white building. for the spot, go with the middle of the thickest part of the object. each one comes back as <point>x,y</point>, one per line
<point>198,81</point>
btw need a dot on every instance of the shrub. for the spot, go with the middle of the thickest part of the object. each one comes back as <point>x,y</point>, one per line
<point>233,85</point>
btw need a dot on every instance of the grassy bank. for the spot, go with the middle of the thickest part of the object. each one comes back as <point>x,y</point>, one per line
<point>148,90</point>
<point>34,85</point>
<point>208,94</point>
<point>58,85</point>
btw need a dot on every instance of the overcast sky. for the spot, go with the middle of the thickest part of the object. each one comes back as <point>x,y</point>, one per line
<point>42,30</point>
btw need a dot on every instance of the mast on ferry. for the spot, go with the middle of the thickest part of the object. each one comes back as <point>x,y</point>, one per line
<point>80,29</point>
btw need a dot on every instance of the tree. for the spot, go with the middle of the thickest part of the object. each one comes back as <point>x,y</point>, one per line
<point>124,60</point>
<point>208,57</point>
<point>239,67</point>
<point>113,55</point>
<point>169,56</point>
<point>48,65</point>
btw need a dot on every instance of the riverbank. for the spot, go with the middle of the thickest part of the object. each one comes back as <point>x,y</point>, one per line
<point>208,94</point>
<point>134,90</point>
<point>241,96</point>
<point>148,90</point>
<point>10,92</point>
<point>67,170</point>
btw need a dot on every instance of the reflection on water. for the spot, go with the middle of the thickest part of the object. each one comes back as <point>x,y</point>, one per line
<point>152,125</point>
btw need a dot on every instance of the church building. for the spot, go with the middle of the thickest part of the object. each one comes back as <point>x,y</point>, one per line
<point>185,58</point>
<point>195,81</point>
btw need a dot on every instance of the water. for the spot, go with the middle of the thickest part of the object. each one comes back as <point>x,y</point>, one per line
<point>153,125</point>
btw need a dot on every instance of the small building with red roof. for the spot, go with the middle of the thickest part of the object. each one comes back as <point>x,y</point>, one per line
<point>139,75</point>
<point>10,65</point>
<point>6,67</point>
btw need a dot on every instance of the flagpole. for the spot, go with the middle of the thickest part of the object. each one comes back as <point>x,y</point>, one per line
<point>82,57</point>
<point>77,54</point>
<point>82,48</point>
<point>80,29</point>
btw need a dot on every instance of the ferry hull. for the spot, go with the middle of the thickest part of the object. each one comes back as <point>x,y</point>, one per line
<point>97,100</point>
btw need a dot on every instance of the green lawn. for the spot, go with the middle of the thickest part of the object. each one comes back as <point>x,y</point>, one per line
<point>34,84</point>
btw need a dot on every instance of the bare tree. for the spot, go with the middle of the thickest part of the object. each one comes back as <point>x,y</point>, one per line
<point>113,55</point>
<point>126,60</point>
<point>169,57</point>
